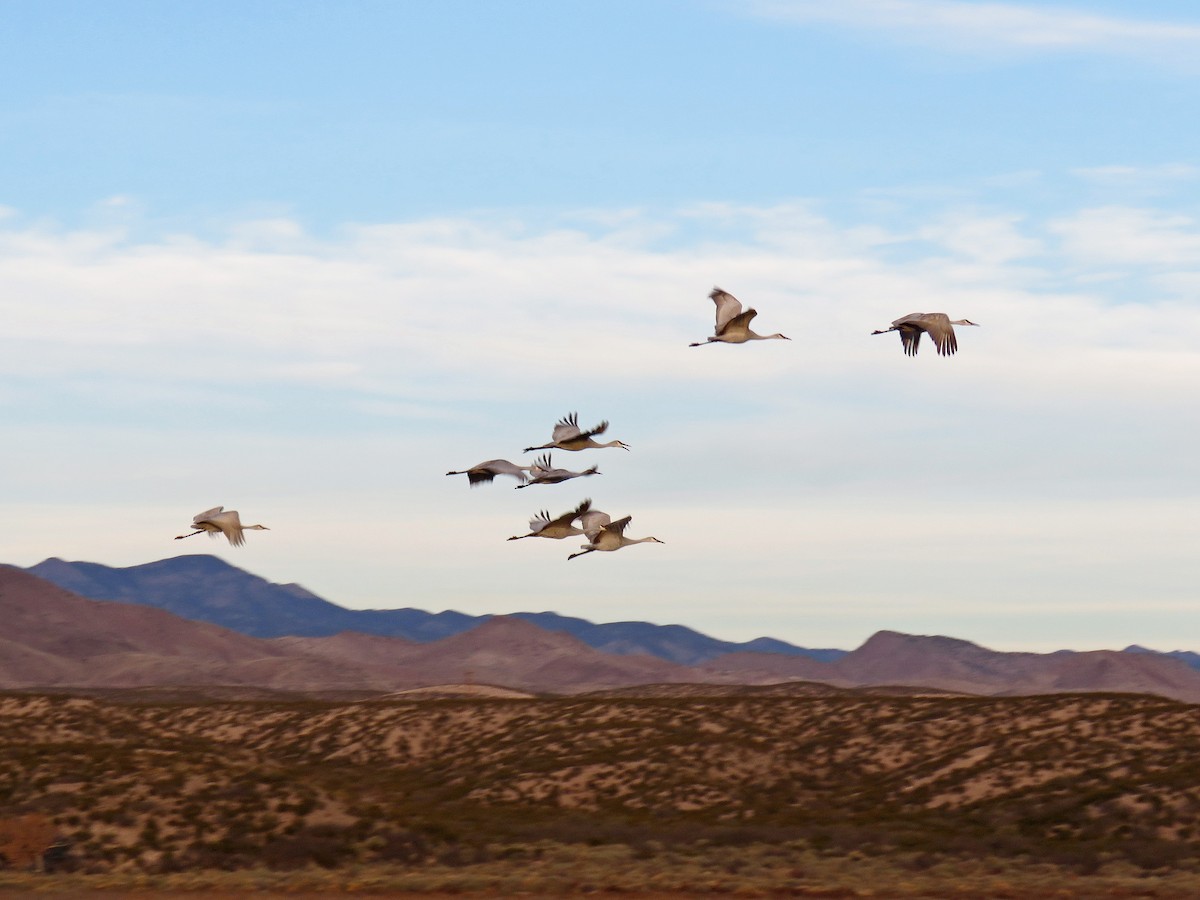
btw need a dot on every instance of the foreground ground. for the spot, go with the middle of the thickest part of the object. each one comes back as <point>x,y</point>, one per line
<point>572,871</point>
<point>835,795</point>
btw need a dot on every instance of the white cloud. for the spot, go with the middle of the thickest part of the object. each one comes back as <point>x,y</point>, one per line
<point>988,239</point>
<point>477,309</point>
<point>1157,176</point>
<point>952,25</point>
<point>1126,236</point>
<point>335,380</point>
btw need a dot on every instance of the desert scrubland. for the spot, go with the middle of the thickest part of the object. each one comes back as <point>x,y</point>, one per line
<point>798,792</point>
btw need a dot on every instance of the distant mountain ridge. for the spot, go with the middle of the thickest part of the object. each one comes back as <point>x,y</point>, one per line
<point>56,639</point>
<point>205,588</point>
<point>1187,657</point>
<point>53,638</point>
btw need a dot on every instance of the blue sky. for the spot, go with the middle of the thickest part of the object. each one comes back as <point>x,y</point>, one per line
<point>300,259</point>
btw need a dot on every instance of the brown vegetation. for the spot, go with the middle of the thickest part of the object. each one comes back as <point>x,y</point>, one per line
<point>1079,782</point>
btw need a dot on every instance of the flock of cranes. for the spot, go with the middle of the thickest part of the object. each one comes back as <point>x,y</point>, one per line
<point>602,533</point>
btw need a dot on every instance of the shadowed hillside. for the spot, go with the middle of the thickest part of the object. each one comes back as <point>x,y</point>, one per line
<point>950,664</point>
<point>1073,780</point>
<point>53,638</point>
<point>208,589</point>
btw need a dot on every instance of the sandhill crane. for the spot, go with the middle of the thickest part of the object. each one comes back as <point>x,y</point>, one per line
<point>609,536</point>
<point>484,472</point>
<point>568,436</point>
<point>543,472</point>
<point>937,325</point>
<point>219,521</point>
<point>733,325</point>
<point>542,525</point>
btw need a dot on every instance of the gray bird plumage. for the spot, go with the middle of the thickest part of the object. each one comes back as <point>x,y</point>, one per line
<point>937,325</point>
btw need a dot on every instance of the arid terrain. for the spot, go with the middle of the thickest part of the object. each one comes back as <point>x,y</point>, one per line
<point>766,789</point>
<point>55,640</point>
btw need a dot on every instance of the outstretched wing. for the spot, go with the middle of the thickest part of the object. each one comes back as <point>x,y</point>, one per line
<point>728,307</point>
<point>599,429</point>
<point>566,428</point>
<point>941,332</point>
<point>230,524</point>
<point>740,322</point>
<point>593,521</point>
<point>207,515</point>
<point>540,521</point>
<point>567,518</point>
<point>484,472</point>
<point>618,527</point>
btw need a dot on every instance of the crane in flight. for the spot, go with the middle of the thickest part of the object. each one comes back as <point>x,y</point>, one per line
<point>218,520</point>
<point>543,526</point>
<point>605,535</point>
<point>567,435</point>
<point>543,472</point>
<point>937,325</point>
<point>733,325</point>
<point>484,472</point>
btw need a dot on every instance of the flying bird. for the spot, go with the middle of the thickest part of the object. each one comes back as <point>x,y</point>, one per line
<point>733,325</point>
<point>609,536</point>
<point>568,436</point>
<point>543,526</point>
<point>937,325</point>
<point>484,472</point>
<point>219,521</point>
<point>543,472</point>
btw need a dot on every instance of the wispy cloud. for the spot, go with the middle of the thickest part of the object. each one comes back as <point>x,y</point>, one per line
<point>491,306</point>
<point>957,26</point>
<point>340,377</point>
<point>1128,236</point>
<point>1138,182</point>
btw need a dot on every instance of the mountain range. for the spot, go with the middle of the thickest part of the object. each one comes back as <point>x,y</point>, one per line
<point>54,638</point>
<point>207,589</point>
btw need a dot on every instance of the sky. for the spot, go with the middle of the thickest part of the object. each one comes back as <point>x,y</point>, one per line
<point>302,258</point>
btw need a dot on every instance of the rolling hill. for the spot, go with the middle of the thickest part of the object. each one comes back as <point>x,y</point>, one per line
<point>54,639</point>
<point>207,589</point>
